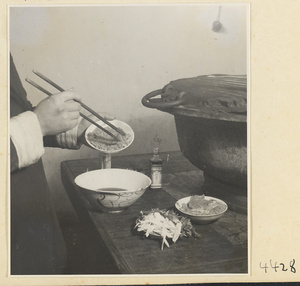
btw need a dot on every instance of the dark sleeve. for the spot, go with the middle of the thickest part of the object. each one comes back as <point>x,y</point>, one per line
<point>14,160</point>
<point>50,141</point>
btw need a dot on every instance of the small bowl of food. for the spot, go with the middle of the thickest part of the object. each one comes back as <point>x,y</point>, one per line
<point>201,209</point>
<point>101,141</point>
<point>112,190</point>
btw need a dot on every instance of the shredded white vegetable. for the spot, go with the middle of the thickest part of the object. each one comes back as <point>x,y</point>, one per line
<point>165,224</point>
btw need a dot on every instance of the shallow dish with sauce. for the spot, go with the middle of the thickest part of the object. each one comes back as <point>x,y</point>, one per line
<point>198,215</point>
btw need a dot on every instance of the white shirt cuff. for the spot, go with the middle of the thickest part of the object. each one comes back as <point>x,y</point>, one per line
<point>26,134</point>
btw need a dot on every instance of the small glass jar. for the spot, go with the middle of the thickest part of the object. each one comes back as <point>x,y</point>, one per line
<point>156,170</point>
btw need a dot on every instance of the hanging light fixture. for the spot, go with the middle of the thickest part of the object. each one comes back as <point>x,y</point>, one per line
<point>217,25</point>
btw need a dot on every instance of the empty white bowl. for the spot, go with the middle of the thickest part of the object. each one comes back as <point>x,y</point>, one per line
<point>112,190</point>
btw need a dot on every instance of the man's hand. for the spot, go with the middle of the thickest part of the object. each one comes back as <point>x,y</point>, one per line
<point>58,113</point>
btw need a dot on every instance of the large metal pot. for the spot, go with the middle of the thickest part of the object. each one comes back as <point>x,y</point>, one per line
<point>211,121</point>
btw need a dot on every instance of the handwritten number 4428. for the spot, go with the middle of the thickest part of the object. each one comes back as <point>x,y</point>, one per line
<point>279,267</point>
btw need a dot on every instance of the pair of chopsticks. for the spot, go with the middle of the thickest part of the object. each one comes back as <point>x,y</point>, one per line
<point>81,103</point>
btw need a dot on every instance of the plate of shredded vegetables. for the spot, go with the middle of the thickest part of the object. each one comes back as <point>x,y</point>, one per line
<point>201,209</point>
<point>165,225</point>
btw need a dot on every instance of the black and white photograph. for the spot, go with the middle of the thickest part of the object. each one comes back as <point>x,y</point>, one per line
<point>149,142</point>
<point>129,146</point>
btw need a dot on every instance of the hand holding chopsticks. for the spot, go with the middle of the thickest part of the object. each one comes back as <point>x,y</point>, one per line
<point>58,113</point>
<point>81,103</point>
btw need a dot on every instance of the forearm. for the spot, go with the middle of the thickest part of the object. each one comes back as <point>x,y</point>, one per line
<point>65,140</point>
<point>49,141</point>
<point>27,140</point>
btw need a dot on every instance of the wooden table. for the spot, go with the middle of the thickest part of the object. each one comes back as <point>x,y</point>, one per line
<point>222,248</point>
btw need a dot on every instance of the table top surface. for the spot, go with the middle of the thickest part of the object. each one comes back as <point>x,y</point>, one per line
<point>222,247</point>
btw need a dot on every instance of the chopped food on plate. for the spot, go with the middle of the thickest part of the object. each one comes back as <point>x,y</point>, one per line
<point>165,224</point>
<point>201,205</point>
<point>105,142</point>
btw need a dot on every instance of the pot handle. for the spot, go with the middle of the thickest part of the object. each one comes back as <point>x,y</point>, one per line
<point>158,102</point>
